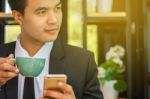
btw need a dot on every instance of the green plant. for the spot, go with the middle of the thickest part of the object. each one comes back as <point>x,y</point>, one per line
<point>113,68</point>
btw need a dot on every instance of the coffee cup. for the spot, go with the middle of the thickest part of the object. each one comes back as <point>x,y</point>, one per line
<point>28,66</point>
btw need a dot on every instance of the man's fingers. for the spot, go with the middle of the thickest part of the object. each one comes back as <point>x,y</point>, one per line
<point>8,67</point>
<point>68,92</point>
<point>53,94</point>
<point>44,98</point>
<point>9,59</point>
<point>7,74</point>
<point>10,56</point>
<point>2,81</point>
<point>65,87</point>
<point>2,60</point>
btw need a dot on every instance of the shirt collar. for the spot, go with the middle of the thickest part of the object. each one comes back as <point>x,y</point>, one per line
<point>42,52</point>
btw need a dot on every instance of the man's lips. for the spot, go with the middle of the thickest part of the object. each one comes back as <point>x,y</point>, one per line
<point>52,30</point>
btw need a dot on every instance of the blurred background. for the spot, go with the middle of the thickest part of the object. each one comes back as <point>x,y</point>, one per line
<point>97,25</point>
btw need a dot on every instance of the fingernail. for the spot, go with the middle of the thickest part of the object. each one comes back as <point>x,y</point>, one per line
<point>60,84</point>
<point>11,56</point>
<point>17,70</point>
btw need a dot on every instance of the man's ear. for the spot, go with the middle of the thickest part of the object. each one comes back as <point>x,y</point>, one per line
<point>17,16</point>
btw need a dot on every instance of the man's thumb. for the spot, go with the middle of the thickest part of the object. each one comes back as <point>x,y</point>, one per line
<point>10,56</point>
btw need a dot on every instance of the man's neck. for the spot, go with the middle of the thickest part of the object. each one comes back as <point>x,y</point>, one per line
<point>31,47</point>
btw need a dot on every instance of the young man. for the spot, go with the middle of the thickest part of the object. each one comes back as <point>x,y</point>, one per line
<point>40,22</point>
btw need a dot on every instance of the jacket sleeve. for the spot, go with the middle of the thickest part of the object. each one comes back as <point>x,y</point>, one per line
<point>2,92</point>
<point>92,87</point>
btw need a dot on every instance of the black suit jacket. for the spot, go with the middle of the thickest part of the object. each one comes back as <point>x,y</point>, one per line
<point>78,64</point>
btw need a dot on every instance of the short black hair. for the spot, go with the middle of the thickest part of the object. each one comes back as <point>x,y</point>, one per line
<point>18,5</point>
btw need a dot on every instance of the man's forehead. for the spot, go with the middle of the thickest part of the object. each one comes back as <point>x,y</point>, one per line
<point>33,5</point>
<point>44,2</point>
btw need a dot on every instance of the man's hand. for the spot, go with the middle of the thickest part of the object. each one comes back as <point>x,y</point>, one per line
<point>68,92</point>
<point>7,69</point>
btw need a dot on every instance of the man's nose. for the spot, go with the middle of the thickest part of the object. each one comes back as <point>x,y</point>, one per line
<point>52,18</point>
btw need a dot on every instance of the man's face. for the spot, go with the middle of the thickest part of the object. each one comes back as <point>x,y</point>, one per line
<point>41,20</point>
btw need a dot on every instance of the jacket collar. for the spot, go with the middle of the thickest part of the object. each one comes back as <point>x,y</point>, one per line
<point>57,66</point>
<point>58,50</point>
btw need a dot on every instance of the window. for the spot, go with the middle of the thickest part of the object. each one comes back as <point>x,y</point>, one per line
<point>11,31</point>
<point>75,28</point>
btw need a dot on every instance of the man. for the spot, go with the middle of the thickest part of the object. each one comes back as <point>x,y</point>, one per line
<point>40,22</point>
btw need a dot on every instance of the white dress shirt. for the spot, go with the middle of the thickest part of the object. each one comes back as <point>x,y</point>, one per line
<point>44,52</point>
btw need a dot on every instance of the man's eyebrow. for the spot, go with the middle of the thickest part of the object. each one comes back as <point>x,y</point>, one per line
<point>41,8</point>
<point>59,4</point>
<point>45,8</point>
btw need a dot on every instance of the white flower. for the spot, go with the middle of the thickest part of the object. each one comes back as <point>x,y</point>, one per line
<point>110,55</point>
<point>101,72</point>
<point>115,52</point>
<point>118,61</point>
<point>119,50</point>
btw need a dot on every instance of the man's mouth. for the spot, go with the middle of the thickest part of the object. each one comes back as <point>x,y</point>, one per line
<point>51,31</point>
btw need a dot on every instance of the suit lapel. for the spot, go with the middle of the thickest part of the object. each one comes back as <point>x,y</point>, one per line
<point>56,58</point>
<point>12,88</point>
<point>12,85</point>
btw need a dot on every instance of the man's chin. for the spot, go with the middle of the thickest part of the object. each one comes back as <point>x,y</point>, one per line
<point>50,39</point>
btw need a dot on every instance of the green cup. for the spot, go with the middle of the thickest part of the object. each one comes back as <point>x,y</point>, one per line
<point>30,67</point>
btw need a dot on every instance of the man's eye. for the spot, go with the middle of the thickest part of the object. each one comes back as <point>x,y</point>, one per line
<point>58,8</point>
<point>41,12</point>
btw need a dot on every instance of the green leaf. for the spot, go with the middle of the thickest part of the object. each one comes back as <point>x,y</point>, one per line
<point>120,86</point>
<point>110,73</point>
<point>121,69</point>
<point>102,81</point>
